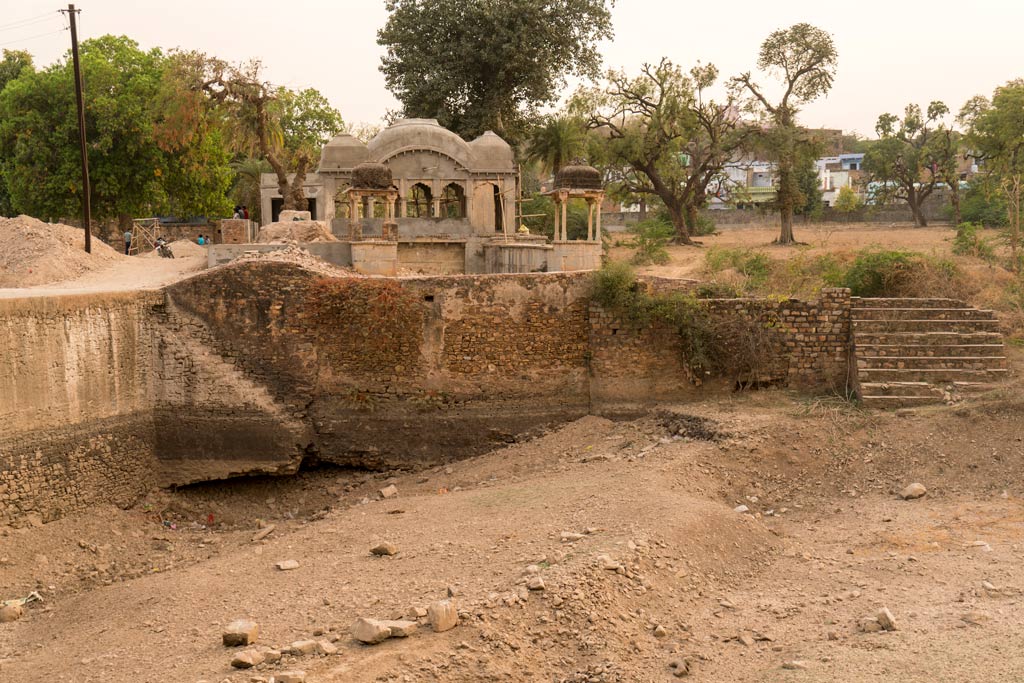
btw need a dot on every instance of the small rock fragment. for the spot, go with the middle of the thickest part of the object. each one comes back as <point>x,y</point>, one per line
<point>680,668</point>
<point>302,647</point>
<point>241,632</point>
<point>287,565</point>
<point>442,615</point>
<point>886,619</point>
<point>418,612</point>
<point>535,583</point>
<point>795,664</point>
<point>289,677</point>
<point>263,533</point>
<point>870,625</point>
<point>326,647</point>
<point>570,537</point>
<point>660,631</point>
<point>9,613</point>
<point>913,491</point>
<point>384,549</point>
<point>370,631</point>
<point>389,491</point>
<point>741,509</point>
<point>401,628</point>
<point>246,659</point>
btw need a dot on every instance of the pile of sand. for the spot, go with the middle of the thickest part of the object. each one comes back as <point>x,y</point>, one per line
<point>181,249</point>
<point>293,253</point>
<point>36,253</point>
<point>295,231</point>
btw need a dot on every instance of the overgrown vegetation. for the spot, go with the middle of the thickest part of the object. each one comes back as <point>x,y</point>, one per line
<point>970,242</point>
<point>731,346</point>
<point>650,237</point>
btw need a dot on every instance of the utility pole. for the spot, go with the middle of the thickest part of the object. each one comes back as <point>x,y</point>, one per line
<point>86,207</point>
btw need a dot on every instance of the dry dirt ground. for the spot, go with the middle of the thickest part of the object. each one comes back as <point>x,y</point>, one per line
<point>817,238</point>
<point>141,595</point>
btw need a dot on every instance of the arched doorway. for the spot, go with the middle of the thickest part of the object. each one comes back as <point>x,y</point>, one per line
<point>418,202</point>
<point>453,201</point>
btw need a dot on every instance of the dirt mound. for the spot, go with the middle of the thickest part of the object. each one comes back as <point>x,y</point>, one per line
<point>293,253</point>
<point>182,249</point>
<point>36,253</point>
<point>295,231</point>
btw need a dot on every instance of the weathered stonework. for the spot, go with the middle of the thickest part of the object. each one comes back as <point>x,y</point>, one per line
<point>256,366</point>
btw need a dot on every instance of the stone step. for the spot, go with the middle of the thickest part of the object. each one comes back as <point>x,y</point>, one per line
<point>894,402</point>
<point>929,350</point>
<point>860,314</point>
<point>926,362</point>
<point>933,375</point>
<point>863,338</point>
<point>915,389</point>
<point>890,326</point>
<point>859,302</point>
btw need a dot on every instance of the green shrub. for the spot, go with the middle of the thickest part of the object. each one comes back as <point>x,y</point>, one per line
<point>874,273</point>
<point>705,226</point>
<point>650,238</point>
<point>756,266</point>
<point>969,242</point>
<point>983,206</point>
<point>894,273</point>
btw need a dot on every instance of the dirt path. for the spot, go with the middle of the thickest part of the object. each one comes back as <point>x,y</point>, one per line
<point>135,273</point>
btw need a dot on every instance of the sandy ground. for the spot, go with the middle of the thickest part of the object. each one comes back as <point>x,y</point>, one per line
<point>127,274</point>
<point>825,543</point>
<point>688,262</point>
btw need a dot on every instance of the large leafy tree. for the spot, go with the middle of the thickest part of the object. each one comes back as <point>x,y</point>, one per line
<point>913,157</point>
<point>804,58</point>
<point>14,62</point>
<point>284,127</point>
<point>995,132</point>
<point>135,167</point>
<point>479,65</point>
<point>665,137</point>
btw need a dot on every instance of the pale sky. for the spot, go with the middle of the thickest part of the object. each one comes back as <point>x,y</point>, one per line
<point>891,52</point>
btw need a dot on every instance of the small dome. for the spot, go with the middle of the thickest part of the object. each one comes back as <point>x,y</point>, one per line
<point>370,175</point>
<point>342,153</point>
<point>492,153</point>
<point>418,134</point>
<point>578,177</point>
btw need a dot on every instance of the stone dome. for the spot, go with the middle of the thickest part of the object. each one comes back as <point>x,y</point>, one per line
<point>491,153</point>
<point>578,177</point>
<point>371,175</point>
<point>342,153</point>
<point>419,134</point>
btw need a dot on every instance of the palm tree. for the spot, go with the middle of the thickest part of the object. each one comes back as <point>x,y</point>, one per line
<point>556,142</point>
<point>246,190</point>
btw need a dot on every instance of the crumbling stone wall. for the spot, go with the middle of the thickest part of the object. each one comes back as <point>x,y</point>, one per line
<point>805,345</point>
<point>254,367</point>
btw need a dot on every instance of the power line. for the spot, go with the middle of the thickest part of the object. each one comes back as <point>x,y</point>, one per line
<point>25,22</point>
<point>40,35</point>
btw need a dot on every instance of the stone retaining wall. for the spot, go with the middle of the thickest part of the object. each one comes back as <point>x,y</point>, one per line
<point>255,366</point>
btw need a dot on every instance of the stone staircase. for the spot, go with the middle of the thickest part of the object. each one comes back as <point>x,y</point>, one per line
<point>913,352</point>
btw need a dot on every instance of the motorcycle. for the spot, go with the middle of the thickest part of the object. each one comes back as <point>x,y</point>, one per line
<point>164,249</point>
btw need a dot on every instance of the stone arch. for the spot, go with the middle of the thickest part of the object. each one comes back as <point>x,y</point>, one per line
<point>453,201</point>
<point>419,201</point>
<point>341,200</point>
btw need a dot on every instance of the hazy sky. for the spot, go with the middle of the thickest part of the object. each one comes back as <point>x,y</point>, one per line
<point>890,52</point>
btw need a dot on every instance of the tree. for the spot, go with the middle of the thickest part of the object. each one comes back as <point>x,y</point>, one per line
<point>12,64</point>
<point>805,58</point>
<point>478,65</point>
<point>847,201</point>
<point>285,128</point>
<point>995,132</point>
<point>246,189</point>
<point>556,142</point>
<point>911,158</point>
<point>665,137</point>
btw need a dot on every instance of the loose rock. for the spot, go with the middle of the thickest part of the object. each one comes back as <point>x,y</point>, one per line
<point>370,631</point>
<point>289,677</point>
<point>287,565</point>
<point>442,615</point>
<point>389,491</point>
<point>913,491</point>
<point>401,628</point>
<point>886,619</point>
<point>302,647</point>
<point>384,549</point>
<point>241,632</point>
<point>247,659</point>
<point>9,613</point>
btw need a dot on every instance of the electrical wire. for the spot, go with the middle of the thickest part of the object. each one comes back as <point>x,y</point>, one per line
<point>40,35</point>
<point>24,22</point>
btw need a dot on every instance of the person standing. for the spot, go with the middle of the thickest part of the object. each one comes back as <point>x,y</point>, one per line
<point>245,212</point>
<point>200,241</point>
<point>127,241</point>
